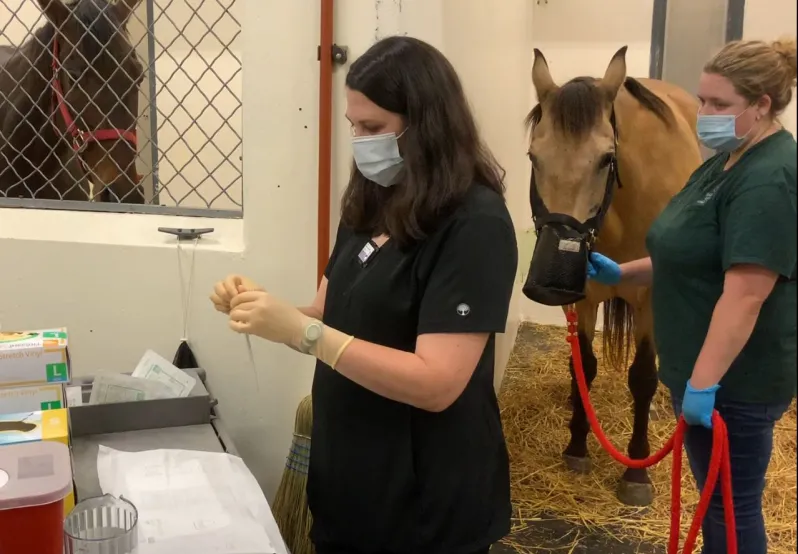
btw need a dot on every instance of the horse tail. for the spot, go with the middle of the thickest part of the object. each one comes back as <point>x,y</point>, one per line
<point>618,335</point>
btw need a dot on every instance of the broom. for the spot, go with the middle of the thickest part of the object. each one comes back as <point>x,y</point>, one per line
<point>291,501</point>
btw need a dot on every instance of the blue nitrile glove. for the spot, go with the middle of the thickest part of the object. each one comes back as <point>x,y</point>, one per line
<point>603,270</point>
<point>698,405</point>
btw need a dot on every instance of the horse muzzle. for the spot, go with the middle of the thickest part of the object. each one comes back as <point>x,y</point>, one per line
<point>558,270</point>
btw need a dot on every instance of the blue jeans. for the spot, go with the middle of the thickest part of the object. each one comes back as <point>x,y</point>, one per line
<point>750,428</point>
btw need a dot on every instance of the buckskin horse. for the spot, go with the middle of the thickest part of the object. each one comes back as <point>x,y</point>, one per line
<point>607,155</point>
<point>68,106</point>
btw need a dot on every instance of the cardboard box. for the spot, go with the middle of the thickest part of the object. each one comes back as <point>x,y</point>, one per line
<point>15,400</point>
<point>48,425</point>
<point>30,358</point>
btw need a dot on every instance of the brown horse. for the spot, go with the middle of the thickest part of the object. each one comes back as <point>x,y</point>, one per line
<point>607,155</point>
<point>68,106</point>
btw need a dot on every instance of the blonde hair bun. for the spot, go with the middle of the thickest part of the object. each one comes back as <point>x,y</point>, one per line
<point>786,48</point>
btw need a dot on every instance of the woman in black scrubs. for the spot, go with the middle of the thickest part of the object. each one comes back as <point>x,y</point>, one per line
<point>408,451</point>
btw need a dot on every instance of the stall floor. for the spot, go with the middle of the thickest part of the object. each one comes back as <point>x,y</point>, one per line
<point>557,536</point>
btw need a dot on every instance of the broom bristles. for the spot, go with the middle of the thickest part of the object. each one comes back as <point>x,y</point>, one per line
<point>291,502</point>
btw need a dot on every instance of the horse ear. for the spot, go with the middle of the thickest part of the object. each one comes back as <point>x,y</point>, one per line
<point>124,8</point>
<point>55,11</point>
<point>615,74</point>
<point>541,77</point>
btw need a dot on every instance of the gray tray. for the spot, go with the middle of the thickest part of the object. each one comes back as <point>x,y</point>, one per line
<point>99,419</point>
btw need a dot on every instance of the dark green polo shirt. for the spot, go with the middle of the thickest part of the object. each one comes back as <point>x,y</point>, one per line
<point>744,215</point>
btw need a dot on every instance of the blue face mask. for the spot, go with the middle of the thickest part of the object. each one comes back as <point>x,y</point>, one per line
<point>718,132</point>
<point>378,159</point>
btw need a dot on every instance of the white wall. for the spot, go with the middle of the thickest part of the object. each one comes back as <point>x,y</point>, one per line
<point>112,278</point>
<point>769,21</point>
<point>19,18</point>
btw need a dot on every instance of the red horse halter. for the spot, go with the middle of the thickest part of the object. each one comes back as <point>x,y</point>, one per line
<point>80,138</point>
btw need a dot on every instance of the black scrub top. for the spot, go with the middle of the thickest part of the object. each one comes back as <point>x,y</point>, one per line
<point>386,477</point>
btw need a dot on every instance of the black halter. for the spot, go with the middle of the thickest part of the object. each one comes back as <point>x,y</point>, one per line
<point>589,229</point>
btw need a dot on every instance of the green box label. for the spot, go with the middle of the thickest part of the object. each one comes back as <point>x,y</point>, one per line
<point>54,335</point>
<point>57,373</point>
<point>54,405</point>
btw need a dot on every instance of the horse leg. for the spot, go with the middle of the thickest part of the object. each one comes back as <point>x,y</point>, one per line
<point>576,456</point>
<point>635,488</point>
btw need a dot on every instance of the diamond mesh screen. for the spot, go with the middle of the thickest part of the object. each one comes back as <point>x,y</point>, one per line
<point>137,101</point>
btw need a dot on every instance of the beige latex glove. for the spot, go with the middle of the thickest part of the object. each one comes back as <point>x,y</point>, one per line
<point>259,313</point>
<point>224,291</point>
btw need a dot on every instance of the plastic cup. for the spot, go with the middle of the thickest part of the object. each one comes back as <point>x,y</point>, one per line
<point>102,525</point>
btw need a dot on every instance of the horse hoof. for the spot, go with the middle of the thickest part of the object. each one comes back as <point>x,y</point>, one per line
<point>578,465</point>
<point>635,494</point>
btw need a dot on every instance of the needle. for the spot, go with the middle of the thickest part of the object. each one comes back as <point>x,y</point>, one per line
<point>252,362</point>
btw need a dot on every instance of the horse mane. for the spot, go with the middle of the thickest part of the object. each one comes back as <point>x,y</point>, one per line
<point>577,106</point>
<point>101,24</point>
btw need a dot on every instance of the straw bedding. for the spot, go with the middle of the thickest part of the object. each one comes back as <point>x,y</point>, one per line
<point>535,413</point>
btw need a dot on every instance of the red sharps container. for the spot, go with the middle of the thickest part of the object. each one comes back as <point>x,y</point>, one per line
<point>35,478</point>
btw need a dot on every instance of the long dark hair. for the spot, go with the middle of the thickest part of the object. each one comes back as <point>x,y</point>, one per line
<point>442,150</point>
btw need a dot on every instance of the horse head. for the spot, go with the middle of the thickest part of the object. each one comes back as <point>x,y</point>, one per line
<point>572,149</point>
<point>95,81</point>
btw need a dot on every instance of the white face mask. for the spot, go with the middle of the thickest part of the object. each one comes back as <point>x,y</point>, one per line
<point>378,159</point>
<point>718,132</point>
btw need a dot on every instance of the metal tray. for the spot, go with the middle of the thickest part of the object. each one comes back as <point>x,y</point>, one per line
<point>99,419</point>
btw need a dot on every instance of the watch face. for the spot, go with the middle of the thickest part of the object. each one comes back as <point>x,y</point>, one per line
<point>313,331</point>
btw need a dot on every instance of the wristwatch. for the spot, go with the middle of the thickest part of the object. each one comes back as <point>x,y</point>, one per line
<point>310,335</point>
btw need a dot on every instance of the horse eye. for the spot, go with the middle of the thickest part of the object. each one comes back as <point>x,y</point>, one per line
<point>75,72</point>
<point>606,160</point>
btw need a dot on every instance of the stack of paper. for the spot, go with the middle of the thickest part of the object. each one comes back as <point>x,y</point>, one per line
<point>187,501</point>
<point>154,377</point>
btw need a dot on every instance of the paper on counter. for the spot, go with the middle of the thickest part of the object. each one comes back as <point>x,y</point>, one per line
<point>111,388</point>
<point>189,501</point>
<point>156,368</point>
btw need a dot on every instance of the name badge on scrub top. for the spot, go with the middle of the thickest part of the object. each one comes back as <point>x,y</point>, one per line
<point>367,253</point>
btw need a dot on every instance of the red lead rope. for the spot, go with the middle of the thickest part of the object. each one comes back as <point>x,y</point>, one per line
<point>719,464</point>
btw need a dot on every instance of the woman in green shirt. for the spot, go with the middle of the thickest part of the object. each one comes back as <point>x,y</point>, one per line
<point>722,270</point>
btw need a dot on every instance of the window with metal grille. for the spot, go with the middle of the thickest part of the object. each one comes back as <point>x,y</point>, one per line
<point>133,105</point>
